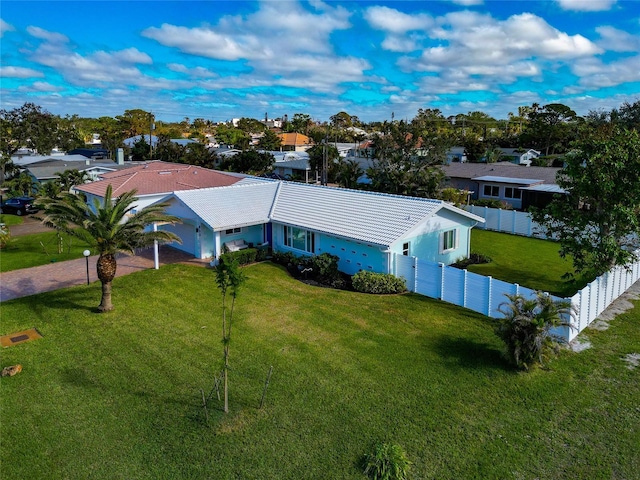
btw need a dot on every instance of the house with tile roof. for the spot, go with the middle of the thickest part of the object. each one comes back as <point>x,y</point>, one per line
<point>363,229</point>
<point>155,180</point>
<point>295,141</point>
<point>518,186</point>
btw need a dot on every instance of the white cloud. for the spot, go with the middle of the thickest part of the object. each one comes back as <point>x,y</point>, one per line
<point>41,87</point>
<point>596,74</point>
<point>19,72</point>
<point>100,68</point>
<point>474,50</point>
<point>394,21</point>
<point>5,27</point>
<point>586,5</point>
<point>278,29</point>
<point>283,43</point>
<point>43,34</point>
<point>617,40</point>
<point>196,72</point>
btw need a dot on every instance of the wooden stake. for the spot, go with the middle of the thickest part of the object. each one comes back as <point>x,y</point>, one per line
<point>266,384</point>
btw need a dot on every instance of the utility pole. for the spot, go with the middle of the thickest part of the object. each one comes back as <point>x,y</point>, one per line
<point>323,179</point>
<point>150,134</point>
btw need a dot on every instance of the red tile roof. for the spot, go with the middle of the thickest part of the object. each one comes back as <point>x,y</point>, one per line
<point>293,139</point>
<point>159,177</point>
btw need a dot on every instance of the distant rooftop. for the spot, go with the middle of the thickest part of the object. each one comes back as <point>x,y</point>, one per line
<point>160,177</point>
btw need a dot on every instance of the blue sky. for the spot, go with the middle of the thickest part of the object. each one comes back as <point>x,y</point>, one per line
<point>223,59</point>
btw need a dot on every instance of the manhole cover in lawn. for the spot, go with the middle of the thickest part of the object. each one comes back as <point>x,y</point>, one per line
<point>19,337</point>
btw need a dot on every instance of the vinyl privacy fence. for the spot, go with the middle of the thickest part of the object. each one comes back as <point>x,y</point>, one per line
<point>507,221</point>
<point>486,294</point>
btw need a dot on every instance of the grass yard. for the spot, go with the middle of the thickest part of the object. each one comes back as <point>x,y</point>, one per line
<point>11,219</point>
<point>117,395</point>
<point>530,262</point>
<point>39,249</point>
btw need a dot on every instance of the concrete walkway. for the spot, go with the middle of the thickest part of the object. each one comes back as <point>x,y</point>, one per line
<point>53,276</point>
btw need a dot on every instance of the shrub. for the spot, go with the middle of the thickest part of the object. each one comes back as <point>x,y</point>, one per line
<point>5,236</point>
<point>243,257</point>
<point>381,283</point>
<point>474,259</point>
<point>386,462</point>
<point>492,204</point>
<point>454,195</point>
<point>526,327</point>
<point>324,269</point>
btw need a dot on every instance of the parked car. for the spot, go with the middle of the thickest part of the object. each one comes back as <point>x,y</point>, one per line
<point>18,206</point>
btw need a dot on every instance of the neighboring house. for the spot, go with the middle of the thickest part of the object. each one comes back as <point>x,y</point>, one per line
<point>131,141</point>
<point>456,154</point>
<point>518,186</point>
<point>43,172</point>
<point>296,142</point>
<point>519,156</point>
<point>296,168</point>
<point>155,180</point>
<point>92,153</point>
<point>363,229</point>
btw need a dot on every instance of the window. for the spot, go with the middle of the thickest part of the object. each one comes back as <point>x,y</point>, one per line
<point>512,192</point>
<point>491,191</point>
<point>300,239</point>
<point>231,231</point>
<point>405,249</point>
<point>449,240</point>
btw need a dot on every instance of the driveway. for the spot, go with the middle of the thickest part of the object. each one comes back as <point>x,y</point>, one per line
<point>53,276</point>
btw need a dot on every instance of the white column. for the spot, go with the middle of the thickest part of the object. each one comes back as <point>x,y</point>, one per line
<point>156,261</point>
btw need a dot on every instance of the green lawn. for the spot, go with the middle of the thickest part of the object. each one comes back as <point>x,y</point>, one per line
<point>11,220</point>
<point>39,249</point>
<point>530,262</point>
<point>117,395</point>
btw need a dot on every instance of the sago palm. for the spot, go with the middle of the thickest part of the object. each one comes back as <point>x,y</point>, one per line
<point>110,227</point>
<point>527,325</point>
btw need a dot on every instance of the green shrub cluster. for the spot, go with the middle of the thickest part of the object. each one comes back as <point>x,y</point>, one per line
<point>321,268</point>
<point>242,257</point>
<point>381,283</point>
<point>492,204</point>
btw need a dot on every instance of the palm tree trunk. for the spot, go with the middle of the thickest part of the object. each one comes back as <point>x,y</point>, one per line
<point>106,268</point>
<point>105,302</point>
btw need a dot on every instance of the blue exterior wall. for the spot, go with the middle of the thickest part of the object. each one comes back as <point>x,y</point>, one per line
<point>425,242</point>
<point>354,256</point>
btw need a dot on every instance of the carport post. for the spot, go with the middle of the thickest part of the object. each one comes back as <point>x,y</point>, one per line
<point>156,261</point>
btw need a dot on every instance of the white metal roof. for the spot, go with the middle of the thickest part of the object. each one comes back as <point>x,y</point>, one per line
<point>497,179</point>
<point>230,207</point>
<point>545,188</point>
<point>368,217</point>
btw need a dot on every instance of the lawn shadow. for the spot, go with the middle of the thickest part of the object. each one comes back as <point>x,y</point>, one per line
<point>469,354</point>
<point>64,299</point>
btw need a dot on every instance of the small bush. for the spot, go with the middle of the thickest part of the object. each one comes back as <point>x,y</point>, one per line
<point>386,462</point>
<point>492,204</point>
<point>243,257</point>
<point>324,269</point>
<point>380,283</point>
<point>527,327</point>
<point>474,259</point>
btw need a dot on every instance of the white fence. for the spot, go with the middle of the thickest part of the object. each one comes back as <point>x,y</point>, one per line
<point>485,294</point>
<point>507,221</point>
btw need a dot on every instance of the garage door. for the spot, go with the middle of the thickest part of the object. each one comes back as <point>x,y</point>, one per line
<point>187,234</point>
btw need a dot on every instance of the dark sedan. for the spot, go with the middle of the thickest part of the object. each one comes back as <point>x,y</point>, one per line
<point>18,206</point>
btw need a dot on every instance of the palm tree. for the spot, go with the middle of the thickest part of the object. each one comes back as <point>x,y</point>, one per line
<point>526,327</point>
<point>110,227</point>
